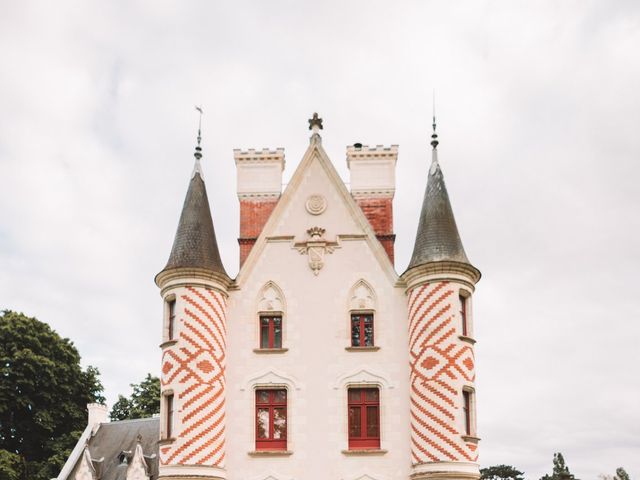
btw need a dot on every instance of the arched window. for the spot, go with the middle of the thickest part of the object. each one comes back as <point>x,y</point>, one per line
<point>271,312</point>
<point>362,310</point>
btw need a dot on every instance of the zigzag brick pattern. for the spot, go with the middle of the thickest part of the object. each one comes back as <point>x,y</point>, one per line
<point>195,369</point>
<point>441,365</point>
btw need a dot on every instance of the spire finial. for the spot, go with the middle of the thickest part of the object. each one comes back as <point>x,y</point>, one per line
<point>434,135</point>
<point>198,152</point>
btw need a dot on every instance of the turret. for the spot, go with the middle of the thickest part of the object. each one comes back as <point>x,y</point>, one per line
<point>440,284</point>
<point>193,286</point>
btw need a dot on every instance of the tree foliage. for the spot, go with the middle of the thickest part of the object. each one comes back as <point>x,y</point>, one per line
<point>560,469</point>
<point>621,474</point>
<point>144,401</point>
<point>43,397</point>
<point>501,472</point>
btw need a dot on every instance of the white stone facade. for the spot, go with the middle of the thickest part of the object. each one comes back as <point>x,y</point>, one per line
<point>316,262</point>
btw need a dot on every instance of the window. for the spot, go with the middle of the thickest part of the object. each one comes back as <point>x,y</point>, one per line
<point>361,330</point>
<point>364,418</point>
<point>169,425</point>
<point>270,332</point>
<point>271,419</point>
<point>466,409</point>
<point>463,314</point>
<point>171,305</point>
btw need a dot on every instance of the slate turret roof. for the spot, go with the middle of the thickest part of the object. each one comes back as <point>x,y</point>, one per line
<point>437,238</point>
<point>195,244</point>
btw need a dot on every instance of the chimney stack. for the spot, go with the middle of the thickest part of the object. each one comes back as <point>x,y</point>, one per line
<point>259,189</point>
<point>97,415</point>
<point>373,186</point>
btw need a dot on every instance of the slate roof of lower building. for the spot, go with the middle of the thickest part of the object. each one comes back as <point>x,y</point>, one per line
<point>114,442</point>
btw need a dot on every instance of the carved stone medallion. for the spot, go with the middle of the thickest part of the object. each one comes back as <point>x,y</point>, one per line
<point>316,204</point>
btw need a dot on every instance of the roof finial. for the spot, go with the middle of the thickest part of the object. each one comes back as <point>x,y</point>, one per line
<point>315,121</point>
<point>434,135</point>
<point>198,152</point>
<point>315,125</point>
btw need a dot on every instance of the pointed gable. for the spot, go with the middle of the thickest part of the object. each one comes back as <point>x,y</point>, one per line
<point>317,197</point>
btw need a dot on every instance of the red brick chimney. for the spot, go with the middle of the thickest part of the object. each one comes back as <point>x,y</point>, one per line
<point>259,189</point>
<point>373,185</point>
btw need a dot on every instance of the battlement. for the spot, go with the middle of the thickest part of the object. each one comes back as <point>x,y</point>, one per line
<point>264,155</point>
<point>358,151</point>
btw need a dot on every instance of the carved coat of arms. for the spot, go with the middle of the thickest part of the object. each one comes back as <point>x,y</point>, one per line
<point>316,248</point>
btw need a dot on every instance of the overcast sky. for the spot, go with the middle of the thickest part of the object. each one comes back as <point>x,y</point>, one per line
<point>538,114</point>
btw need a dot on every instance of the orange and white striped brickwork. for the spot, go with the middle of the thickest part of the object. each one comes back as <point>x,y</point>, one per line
<point>442,366</point>
<point>193,373</point>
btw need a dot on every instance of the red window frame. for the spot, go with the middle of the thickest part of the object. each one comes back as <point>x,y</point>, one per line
<point>269,333</point>
<point>364,418</point>
<point>359,322</point>
<point>466,408</point>
<point>169,405</point>
<point>172,317</point>
<point>271,400</point>
<point>463,314</point>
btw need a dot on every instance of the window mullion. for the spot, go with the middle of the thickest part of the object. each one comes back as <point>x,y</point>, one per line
<point>271,332</point>
<point>363,415</point>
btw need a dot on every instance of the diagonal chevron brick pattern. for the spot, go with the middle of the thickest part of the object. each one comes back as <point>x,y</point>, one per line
<point>441,364</point>
<point>194,368</point>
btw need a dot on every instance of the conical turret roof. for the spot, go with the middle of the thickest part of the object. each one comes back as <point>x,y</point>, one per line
<point>195,244</point>
<point>437,239</point>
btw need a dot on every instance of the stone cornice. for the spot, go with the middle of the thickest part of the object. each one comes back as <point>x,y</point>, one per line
<point>444,270</point>
<point>364,194</point>
<point>192,276</point>
<point>252,155</point>
<point>258,196</point>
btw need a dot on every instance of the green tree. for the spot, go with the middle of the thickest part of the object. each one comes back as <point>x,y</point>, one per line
<point>11,467</point>
<point>144,401</point>
<point>560,469</point>
<point>621,474</point>
<point>501,472</point>
<point>43,397</point>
